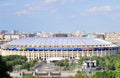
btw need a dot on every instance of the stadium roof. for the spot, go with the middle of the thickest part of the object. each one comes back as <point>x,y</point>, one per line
<point>58,41</point>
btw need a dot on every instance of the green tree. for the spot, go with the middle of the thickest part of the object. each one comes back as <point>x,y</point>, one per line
<point>117,65</point>
<point>110,74</point>
<point>107,63</point>
<point>81,60</point>
<point>70,77</point>
<point>104,74</point>
<point>59,63</point>
<point>100,75</point>
<point>81,75</point>
<point>100,61</point>
<point>66,61</point>
<point>4,68</point>
<point>55,77</point>
<point>29,76</point>
<point>71,66</point>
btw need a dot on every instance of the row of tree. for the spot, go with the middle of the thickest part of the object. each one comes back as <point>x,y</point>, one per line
<point>66,64</point>
<point>19,62</point>
<point>4,68</point>
<point>110,63</point>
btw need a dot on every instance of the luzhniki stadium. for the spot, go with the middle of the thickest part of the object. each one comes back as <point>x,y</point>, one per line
<point>59,47</point>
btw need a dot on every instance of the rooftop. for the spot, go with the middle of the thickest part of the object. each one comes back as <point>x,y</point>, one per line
<point>58,41</point>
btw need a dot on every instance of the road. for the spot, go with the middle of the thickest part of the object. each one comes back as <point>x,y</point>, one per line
<point>47,67</point>
<point>63,74</point>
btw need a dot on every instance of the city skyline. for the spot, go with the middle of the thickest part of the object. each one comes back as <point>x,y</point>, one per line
<point>60,15</point>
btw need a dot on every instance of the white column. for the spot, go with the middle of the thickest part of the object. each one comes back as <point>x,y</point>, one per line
<point>43,55</point>
<point>34,54</point>
<point>72,54</point>
<point>38,54</point>
<point>108,52</point>
<point>82,53</point>
<point>49,53</point>
<point>113,52</point>
<point>93,53</point>
<point>88,53</point>
<point>56,53</point>
<point>97,53</point>
<point>77,55</point>
<point>105,53</point>
<point>101,53</point>
<point>61,54</point>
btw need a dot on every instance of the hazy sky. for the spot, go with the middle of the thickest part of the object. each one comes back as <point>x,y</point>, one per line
<point>60,15</point>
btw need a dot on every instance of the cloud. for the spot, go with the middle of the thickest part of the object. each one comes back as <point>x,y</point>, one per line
<point>72,16</point>
<point>50,1</point>
<point>53,10</point>
<point>36,6</point>
<point>70,1</point>
<point>23,12</point>
<point>98,10</point>
<point>30,8</point>
<point>116,16</point>
<point>83,0</point>
<point>6,4</point>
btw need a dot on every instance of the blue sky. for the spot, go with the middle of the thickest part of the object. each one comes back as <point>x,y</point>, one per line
<point>60,15</point>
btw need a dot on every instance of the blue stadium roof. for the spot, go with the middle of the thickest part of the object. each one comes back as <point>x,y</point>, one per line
<point>58,41</point>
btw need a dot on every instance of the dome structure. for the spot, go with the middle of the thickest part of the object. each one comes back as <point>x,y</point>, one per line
<point>58,41</point>
<point>44,48</point>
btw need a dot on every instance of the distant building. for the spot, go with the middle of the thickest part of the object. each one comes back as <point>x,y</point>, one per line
<point>31,35</point>
<point>101,36</point>
<point>1,36</point>
<point>43,34</point>
<point>14,32</point>
<point>113,37</point>
<point>7,37</point>
<point>60,35</point>
<point>89,35</point>
<point>10,37</point>
<point>3,31</point>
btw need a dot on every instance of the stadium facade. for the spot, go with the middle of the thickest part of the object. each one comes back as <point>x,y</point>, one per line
<point>61,47</point>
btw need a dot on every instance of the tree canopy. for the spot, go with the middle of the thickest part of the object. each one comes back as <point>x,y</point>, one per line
<point>4,68</point>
